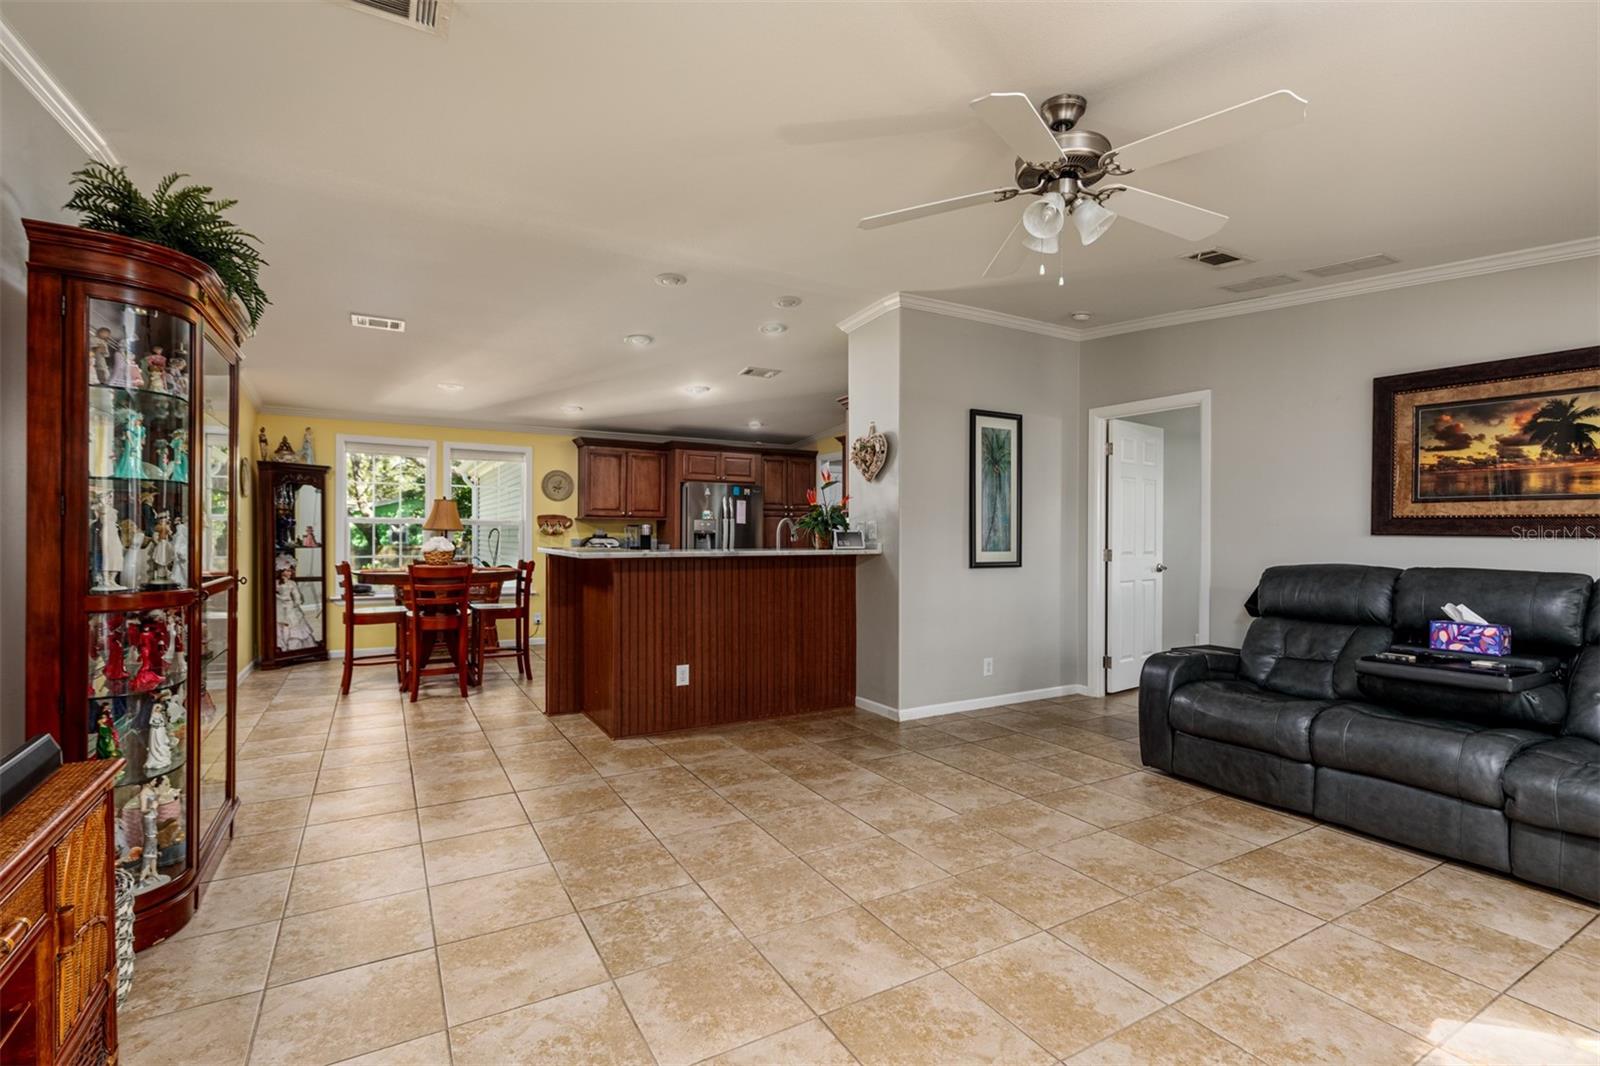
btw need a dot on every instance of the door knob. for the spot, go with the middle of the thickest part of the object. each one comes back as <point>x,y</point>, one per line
<point>1161,568</point>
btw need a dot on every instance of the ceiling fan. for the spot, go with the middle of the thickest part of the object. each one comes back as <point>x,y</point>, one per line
<point>1062,166</point>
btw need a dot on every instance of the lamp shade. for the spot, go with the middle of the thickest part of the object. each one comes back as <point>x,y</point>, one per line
<point>443,516</point>
<point>1092,219</point>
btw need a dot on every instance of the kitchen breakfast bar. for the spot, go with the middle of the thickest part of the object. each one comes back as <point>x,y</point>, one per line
<point>757,633</point>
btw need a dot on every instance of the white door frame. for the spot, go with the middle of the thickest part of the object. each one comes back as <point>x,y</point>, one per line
<point>1095,641</point>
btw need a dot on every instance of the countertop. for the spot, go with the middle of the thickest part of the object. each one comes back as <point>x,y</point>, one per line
<point>680,553</point>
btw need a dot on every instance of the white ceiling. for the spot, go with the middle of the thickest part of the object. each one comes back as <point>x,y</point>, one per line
<point>512,190</point>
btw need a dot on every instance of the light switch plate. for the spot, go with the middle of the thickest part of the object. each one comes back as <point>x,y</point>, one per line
<point>682,674</point>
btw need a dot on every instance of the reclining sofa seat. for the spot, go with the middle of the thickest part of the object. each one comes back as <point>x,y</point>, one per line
<point>1511,783</point>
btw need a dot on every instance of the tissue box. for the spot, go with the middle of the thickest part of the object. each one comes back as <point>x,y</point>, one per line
<point>1469,637</point>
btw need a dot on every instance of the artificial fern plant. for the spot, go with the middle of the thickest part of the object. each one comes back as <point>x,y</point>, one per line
<point>185,219</point>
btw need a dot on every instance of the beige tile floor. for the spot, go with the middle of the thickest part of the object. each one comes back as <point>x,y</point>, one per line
<point>469,881</point>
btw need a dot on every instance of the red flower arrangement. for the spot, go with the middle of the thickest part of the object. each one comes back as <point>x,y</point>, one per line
<point>824,518</point>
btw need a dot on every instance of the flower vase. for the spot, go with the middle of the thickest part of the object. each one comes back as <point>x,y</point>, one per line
<point>820,541</point>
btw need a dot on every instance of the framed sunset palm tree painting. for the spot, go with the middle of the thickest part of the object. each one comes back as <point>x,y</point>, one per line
<point>994,492</point>
<point>1507,448</point>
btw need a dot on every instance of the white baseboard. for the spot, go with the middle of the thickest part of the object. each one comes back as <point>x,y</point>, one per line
<point>934,710</point>
<point>249,668</point>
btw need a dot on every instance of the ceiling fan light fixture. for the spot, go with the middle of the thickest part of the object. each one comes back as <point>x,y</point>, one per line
<point>1044,217</point>
<point>1091,219</point>
<point>1042,245</point>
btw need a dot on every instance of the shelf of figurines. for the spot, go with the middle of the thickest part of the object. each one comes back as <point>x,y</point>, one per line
<point>149,731</point>
<point>138,433</point>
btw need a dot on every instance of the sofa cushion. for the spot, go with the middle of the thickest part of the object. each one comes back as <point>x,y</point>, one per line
<point>1583,695</point>
<point>1308,659</point>
<point>1556,785</point>
<point>1327,592</point>
<point>1238,712</point>
<point>1591,627</point>
<point>1544,610</point>
<point>1452,758</point>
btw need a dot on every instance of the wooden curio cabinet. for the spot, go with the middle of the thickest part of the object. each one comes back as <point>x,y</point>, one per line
<point>133,581</point>
<point>291,563</point>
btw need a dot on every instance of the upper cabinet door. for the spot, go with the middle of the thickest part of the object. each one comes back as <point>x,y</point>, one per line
<point>647,484</point>
<point>739,466</point>
<point>700,466</point>
<point>602,483</point>
<point>803,477</point>
<point>775,482</point>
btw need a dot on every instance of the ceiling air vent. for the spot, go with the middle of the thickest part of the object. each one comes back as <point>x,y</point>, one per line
<point>1217,258</point>
<point>759,372</point>
<point>1351,266</point>
<point>1268,281</point>
<point>388,325</point>
<point>429,16</point>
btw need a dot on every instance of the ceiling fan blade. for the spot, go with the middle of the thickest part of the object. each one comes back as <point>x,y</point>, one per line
<point>1261,115</point>
<point>1009,256</point>
<point>1017,121</point>
<point>1163,213</point>
<point>938,207</point>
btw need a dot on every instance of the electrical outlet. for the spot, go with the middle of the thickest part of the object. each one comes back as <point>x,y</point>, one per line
<point>537,618</point>
<point>683,674</point>
<point>988,667</point>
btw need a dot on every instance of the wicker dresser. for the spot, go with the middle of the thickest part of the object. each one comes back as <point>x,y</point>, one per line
<point>57,927</point>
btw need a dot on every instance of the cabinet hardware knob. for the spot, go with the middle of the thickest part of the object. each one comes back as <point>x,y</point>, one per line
<point>13,936</point>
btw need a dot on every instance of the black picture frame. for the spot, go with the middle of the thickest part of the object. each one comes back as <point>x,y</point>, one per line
<point>977,558</point>
<point>1508,377</point>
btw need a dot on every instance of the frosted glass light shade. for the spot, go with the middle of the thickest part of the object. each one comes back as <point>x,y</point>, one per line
<point>1091,220</point>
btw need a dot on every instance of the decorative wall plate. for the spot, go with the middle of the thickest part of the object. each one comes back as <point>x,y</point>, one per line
<point>244,477</point>
<point>557,485</point>
<point>870,453</point>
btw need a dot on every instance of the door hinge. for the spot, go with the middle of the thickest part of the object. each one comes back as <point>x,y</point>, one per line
<point>61,503</point>
<point>1108,555</point>
<point>1111,448</point>
<point>63,307</point>
<point>1105,662</point>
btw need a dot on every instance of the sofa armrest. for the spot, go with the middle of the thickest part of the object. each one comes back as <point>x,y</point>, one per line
<point>1163,674</point>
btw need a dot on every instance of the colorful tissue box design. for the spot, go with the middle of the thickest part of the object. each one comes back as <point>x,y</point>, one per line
<point>1469,637</point>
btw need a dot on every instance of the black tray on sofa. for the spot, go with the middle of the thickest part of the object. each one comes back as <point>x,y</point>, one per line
<point>1455,670</point>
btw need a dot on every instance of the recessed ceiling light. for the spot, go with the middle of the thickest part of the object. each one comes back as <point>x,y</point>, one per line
<point>450,386</point>
<point>697,390</point>
<point>772,329</point>
<point>671,281</point>
<point>638,340</point>
<point>571,409</point>
<point>1081,316</point>
<point>755,423</point>
<point>787,301</point>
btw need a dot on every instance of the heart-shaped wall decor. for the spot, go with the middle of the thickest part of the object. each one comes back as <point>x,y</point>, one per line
<point>869,453</point>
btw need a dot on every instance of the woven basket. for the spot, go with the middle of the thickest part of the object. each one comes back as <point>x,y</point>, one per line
<point>439,558</point>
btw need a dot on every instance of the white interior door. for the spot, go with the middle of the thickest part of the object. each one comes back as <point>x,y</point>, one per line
<point>1133,538</point>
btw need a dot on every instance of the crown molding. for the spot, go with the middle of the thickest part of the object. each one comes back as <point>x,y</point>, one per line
<point>910,301</point>
<point>1583,248</point>
<point>1521,259</point>
<point>52,97</point>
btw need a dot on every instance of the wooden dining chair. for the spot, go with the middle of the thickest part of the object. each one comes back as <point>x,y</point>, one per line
<point>437,612</point>
<point>486,614</point>
<point>381,614</point>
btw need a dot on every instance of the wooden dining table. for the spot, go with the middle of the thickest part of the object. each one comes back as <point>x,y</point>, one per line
<point>485,588</point>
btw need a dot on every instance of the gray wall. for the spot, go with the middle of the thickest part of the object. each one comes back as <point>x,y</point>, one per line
<point>36,158</point>
<point>1180,522</point>
<point>1292,414</point>
<point>875,398</point>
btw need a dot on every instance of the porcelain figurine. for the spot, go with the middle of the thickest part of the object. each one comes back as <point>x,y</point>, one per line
<point>149,674</point>
<point>150,853</point>
<point>155,368</point>
<point>110,544</point>
<point>178,373</point>
<point>173,707</point>
<point>178,470</point>
<point>107,744</point>
<point>124,373</point>
<point>180,551</point>
<point>158,742</point>
<point>308,539</point>
<point>284,452</point>
<point>99,362</point>
<point>116,668</point>
<point>163,553</point>
<point>130,461</point>
<point>308,451</point>
<point>293,630</point>
<point>133,556</point>
<point>261,443</point>
<point>97,676</point>
<point>163,452</point>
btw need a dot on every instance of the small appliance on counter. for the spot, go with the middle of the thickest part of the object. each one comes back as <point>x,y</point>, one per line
<point>638,537</point>
<point>601,539</point>
<point>719,517</point>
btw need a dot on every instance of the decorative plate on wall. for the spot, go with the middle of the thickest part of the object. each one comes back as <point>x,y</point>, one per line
<point>557,485</point>
<point>244,477</point>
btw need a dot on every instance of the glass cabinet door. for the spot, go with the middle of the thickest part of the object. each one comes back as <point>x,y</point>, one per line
<point>216,692</point>
<point>217,661</point>
<point>297,555</point>
<point>217,490</point>
<point>139,446</point>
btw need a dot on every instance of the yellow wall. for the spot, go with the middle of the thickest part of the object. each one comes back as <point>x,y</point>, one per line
<point>549,453</point>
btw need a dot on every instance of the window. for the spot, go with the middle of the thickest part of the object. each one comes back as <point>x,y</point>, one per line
<point>384,489</point>
<point>490,487</point>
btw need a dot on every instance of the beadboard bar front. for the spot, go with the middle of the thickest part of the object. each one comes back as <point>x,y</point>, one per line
<point>764,636</point>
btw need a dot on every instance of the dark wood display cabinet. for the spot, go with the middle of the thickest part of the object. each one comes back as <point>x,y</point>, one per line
<point>133,353</point>
<point>621,479</point>
<point>292,563</point>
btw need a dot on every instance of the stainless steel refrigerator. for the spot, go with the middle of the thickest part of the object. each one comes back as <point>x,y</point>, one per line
<point>719,516</point>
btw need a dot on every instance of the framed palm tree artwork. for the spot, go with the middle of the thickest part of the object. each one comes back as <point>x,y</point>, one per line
<point>994,490</point>
<point>1509,448</point>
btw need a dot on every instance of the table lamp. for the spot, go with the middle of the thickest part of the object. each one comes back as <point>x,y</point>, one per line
<point>443,519</point>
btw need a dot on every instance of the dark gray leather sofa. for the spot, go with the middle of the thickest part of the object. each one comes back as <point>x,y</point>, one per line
<point>1509,782</point>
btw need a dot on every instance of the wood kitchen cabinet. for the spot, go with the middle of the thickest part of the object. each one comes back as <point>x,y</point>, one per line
<point>705,464</point>
<point>785,479</point>
<point>619,479</point>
